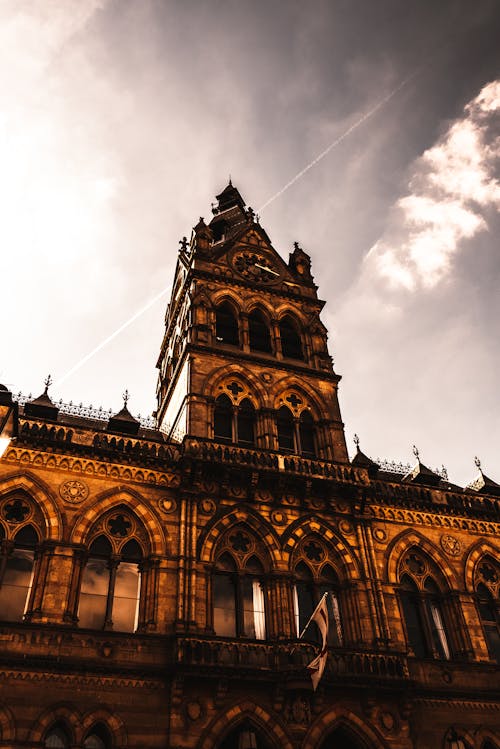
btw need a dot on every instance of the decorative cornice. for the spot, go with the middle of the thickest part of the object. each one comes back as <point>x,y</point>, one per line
<point>76,679</point>
<point>457,704</point>
<point>409,517</point>
<point>84,466</point>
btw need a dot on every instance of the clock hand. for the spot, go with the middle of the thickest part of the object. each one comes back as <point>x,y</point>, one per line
<point>263,267</point>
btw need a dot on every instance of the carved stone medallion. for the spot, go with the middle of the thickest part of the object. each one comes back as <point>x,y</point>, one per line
<point>167,505</point>
<point>74,492</point>
<point>207,506</point>
<point>451,545</point>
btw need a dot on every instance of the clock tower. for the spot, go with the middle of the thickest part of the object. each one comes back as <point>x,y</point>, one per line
<point>244,359</point>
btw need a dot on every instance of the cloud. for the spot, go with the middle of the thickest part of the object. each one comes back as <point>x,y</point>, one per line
<point>452,188</point>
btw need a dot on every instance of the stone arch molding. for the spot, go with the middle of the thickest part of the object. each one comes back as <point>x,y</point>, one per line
<point>481,549</point>
<point>314,526</point>
<point>341,717</point>
<point>280,388</point>
<point>159,544</point>
<point>7,725</point>
<point>215,377</point>
<point>212,534</point>
<point>264,722</point>
<point>403,542</point>
<point>79,724</point>
<point>41,495</point>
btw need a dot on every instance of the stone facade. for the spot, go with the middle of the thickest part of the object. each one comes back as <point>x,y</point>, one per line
<point>153,580</point>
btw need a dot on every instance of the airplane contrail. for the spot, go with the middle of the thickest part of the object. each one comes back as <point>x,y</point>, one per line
<point>276,195</point>
<point>338,140</point>
<point>111,336</point>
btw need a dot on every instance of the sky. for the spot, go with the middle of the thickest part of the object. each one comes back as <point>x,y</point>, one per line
<point>121,119</point>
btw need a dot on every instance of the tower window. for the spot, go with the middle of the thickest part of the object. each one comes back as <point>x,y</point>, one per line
<point>260,337</point>
<point>291,345</point>
<point>234,423</point>
<point>17,575</point>
<point>296,435</point>
<point>226,325</point>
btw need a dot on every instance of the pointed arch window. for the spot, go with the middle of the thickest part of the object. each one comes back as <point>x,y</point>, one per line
<point>226,325</point>
<point>291,344</point>
<point>234,423</point>
<point>487,593</point>
<point>296,435</point>
<point>260,337</point>
<point>307,593</point>
<point>246,736</point>
<point>16,574</point>
<point>97,738</point>
<point>422,607</point>
<point>238,598</point>
<point>57,737</point>
<point>110,588</point>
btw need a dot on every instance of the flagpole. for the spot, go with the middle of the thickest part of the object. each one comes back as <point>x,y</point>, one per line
<point>309,621</point>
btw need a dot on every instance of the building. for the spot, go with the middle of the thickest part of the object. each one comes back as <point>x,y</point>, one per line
<point>154,577</point>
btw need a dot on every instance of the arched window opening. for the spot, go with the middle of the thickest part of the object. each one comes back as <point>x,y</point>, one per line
<point>238,599</point>
<point>17,575</point>
<point>306,433</point>
<point>291,345</point>
<point>286,430</point>
<point>226,325</point>
<point>223,419</point>
<point>98,737</point>
<point>489,620</point>
<point>244,737</point>
<point>343,738</point>
<point>308,590</point>
<point>413,620</point>
<point>110,588</point>
<point>435,618</point>
<point>260,337</point>
<point>421,603</point>
<point>245,423</point>
<point>57,737</point>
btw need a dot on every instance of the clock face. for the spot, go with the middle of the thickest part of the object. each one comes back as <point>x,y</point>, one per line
<point>253,266</point>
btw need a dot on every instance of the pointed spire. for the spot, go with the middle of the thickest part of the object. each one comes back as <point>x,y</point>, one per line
<point>363,461</point>
<point>42,407</point>
<point>482,484</point>
<point>123,422</point>
<point>420,474</point>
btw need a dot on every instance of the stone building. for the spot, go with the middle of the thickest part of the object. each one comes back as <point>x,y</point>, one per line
<point>155,576</point>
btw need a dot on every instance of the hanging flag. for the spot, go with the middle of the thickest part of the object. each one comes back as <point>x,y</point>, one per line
<point>317,665</point>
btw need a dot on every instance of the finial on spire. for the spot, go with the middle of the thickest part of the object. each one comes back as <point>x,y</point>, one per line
<point>250,214</point>
<point>47,383</point>
<point>477,462</point>
<point>125,396</point>
<point>230,183</point>
<point>355,439</point>
<point>183,243</point>
<point>416,452</point>
<point>297,246</point>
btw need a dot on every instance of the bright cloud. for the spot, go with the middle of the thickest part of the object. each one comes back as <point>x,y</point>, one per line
<point>452,187</point>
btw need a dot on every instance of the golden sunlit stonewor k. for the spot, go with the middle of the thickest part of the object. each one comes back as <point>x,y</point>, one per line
<point>155,576</point>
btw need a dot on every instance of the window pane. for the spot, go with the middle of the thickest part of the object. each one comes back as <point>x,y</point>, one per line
<point>246,421</point>
<point>306,430</point>
<point>493,640</point>
<point>16,585</point>
<point>93,595</point>
<point>226,325</point>
<point>224,606</point>
<point>413,625</point>
<point>56,738</point>
<point>305,606</point>
<point>437,628</point>
<point>223,419</point>
<point>253,608</point>
<point>126,597</point>
<point>335,633</point>
<point>285,429</point>
<point>291,346</point>
<point>260,339</point>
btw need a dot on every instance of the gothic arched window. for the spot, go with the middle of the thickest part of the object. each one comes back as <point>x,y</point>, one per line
<point>291,345</point>
<point>97,738</point>
<point>487,594</point>
<point>111,582</point>
<point>238,592</point>
<point>244,737</point>
<point>234,422</point>
<point>57,737</point>
<point>226,325</point>
<point>296,435</point>
<point>308,590</point>
<point>422,608</point>
<point>16,573</point>
<point>260,337</point>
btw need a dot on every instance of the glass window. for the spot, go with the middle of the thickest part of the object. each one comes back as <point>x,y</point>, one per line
<point>489,620</point>
<point>223,419</point>
<point>57,737</point>
<point>285,430</point>
<point>246,423</point>
<point>291,346</point>
<point>260,338</point>
<point>238,599</point>
<point>18,576</point>
<point>226,325</point>
<point>306,431</point>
